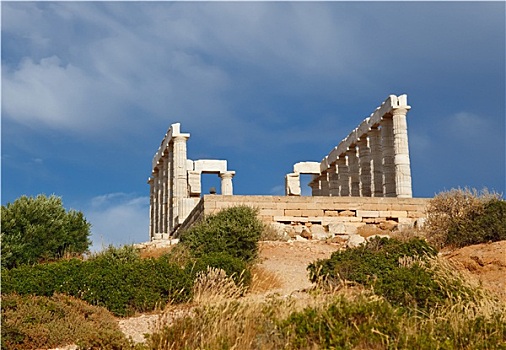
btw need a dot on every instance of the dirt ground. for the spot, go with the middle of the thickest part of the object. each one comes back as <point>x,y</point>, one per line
<point>284,264</point>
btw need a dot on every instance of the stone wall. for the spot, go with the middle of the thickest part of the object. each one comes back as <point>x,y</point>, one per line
<point>321,217</point>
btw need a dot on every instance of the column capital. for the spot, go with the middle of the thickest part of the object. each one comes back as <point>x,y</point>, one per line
<point>181,138</point>
<point>401,110</point>
<point>227,174</point>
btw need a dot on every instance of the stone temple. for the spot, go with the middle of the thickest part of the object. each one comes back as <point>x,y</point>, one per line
<point>364,180</point>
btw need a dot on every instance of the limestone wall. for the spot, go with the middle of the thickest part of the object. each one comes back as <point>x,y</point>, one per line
<point>321,216</point>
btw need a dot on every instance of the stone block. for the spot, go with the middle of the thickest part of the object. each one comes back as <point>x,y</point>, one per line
<point>210,166</point>
<point>398,214</point>
<point>293,212</point>
<point>337,228</point>
<point>368,213</point>
<point>416,214</point>
<point>346,213</point>
<point>330,213</point>
<point>271,212</point>
<point>340,219</point>
<point>312,212</point>
<point>306,168</point>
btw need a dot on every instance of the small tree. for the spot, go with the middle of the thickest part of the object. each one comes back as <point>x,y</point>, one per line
<point>38,229</point>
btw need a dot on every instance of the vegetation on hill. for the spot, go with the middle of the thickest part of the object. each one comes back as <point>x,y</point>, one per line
<point>462,217</point>
<point>387,294</point>
<point>36,229</point>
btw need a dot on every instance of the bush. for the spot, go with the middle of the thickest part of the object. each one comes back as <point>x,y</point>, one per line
<point>31,322</point>
<point>116,279</point>
<point>462,217</point>
<point>235,231</point>
<point>391,267</point>
<point>39,229</point>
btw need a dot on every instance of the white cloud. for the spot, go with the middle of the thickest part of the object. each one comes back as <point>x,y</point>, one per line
<point>118,218</point>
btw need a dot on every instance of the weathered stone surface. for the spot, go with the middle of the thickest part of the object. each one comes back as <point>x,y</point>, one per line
<point>346,213</point>
<point>307,168</point>
<point>388,225</point>
<point>355,241</point>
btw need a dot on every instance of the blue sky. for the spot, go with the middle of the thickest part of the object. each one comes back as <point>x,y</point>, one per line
<point>90,88</point>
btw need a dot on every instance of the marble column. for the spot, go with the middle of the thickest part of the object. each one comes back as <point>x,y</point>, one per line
<point>364,156</point>
<point>377,162</point>
<point>151,208</point>
<point>315,186</point>
<point>401,159</point>
<point>333,180</point>
<point>354,175</point>
<point>170,188</point>
<point>387,145</point>
<point>180,174</point>
<point>324,184</point>
<point>157,203</point>
<point>163,199</point>
<point>342,176</point>
<point>227,188</point>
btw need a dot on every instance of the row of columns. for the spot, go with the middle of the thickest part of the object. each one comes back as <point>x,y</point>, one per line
<point>175,185</point>
<point>375,164</point>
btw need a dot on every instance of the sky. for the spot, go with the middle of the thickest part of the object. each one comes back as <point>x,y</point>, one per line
<point>89,89</point>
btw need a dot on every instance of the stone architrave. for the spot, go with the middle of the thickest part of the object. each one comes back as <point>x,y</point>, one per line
<point>353,171</point>
<point>401,158</point>
<point>226,183</point>
<point>387,143</point>
<point>364,157</point>
<point>377,162</point>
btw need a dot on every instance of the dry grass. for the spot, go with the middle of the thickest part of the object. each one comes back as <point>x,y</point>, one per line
<point>220,319</point>
<point>450,207</point>
<point>154,252</point>
<point>263,280</point>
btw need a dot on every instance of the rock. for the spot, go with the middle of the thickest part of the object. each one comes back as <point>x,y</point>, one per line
<point>306,234</point>
<point>300,239</point>
<point>354,241</point>
<point>337,228</point>
<point>346,213</point>
<point>388,225</point>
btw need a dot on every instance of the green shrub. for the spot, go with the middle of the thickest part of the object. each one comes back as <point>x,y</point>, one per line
<point>462,217</point>
<point>391,267</point>
<point>343,324</point>
<point>31,322</point>
<point>39,229</point>
<point>235,231</point>
<point>117,279</point>
<point>489,225</point>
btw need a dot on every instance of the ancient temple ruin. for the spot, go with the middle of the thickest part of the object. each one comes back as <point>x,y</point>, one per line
<point>371,164</point>
<point>372,161</point>
<point>175,183</point>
